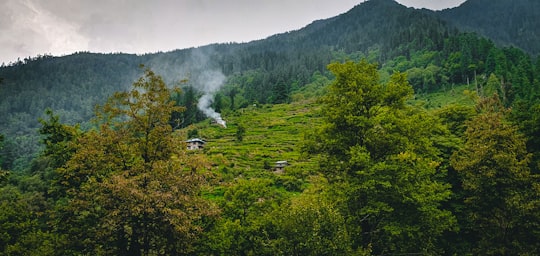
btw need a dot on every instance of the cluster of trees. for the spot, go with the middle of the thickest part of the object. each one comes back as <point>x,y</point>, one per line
<point>468,59</point>
<point>70,85</point>
<point>393,179</point>
<point>126,187</point>
<point>454,181</point>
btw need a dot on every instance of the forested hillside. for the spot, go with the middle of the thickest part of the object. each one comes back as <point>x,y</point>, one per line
<point>264,71</point>
<point>382,131</point>
<point>508,23</point>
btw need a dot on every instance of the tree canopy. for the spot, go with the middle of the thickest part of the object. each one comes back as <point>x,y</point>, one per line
<point>131,188</point>
<point>500,192</point>
<point>378,151</point>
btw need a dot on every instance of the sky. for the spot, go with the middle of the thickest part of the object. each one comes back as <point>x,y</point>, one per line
<point>29,28</point>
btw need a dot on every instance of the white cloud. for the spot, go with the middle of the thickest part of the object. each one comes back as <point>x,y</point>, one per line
<point>28,30</point>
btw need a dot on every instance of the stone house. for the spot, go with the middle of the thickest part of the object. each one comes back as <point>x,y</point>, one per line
<point>279,167</point>
<point>195,144</point>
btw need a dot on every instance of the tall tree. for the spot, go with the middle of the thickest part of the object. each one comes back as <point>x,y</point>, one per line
<point>191,113</point>
<point>134,190</point>
<point>378,151</point>
<point>7,152</point>
<point>245,228</point>
<point>280,92</point>
<point>501,195</point>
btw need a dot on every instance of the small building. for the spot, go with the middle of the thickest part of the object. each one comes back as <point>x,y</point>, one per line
<point>279,167</point>
<point>195,144</point>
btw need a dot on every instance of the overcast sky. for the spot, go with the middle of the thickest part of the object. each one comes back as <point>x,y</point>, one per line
<point>60,27</point>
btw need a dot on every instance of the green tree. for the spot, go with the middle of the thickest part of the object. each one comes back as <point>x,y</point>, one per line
<point>492,86</point>
<point>501,194</point>
<point>7,152</point>
<point>378,150</point>
<point>59,140</point>
<point>312,224</point>
<point>240,132</point>
<point>526,114</point>
<point>133,188</point>
<point>24,216</point>
<point>193,133</point>
<point>280,92</point>
<point>191,113</point>
<point>245,227</point>
<point>218,102</point>
<point>27,201</point>
<point>232,94</point>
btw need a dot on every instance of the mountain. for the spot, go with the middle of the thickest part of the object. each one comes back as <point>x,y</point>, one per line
<point>508,23</point>
<point>430,49</point>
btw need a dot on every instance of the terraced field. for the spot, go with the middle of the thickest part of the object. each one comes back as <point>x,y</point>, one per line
<point>272,133</point>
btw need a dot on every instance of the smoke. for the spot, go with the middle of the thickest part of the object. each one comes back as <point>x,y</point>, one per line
<point>212,81</point>
<point>207,79</point>
<point>198,65</point>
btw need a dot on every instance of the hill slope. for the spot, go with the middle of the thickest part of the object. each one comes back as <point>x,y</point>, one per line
<point>506,22</point>
<point>263,71</point>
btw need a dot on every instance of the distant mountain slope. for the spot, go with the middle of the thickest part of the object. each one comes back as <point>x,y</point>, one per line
<point>262,71</point>
<point>376,23</point>
<point>507,22</point>
<point>74,83</point>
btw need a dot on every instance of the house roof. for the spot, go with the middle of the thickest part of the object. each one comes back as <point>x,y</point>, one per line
<point>281,163</point>
<point>195,140</point>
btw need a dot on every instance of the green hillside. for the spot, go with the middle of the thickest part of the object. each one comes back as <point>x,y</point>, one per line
<point>398,134</point>
<point>272,133</point>
<point>433,52</point>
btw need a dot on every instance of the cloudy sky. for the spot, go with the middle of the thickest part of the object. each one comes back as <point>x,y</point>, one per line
<point>60,27</point>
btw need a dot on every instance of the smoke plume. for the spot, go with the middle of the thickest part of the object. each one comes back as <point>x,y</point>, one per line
<point>211,82</point>
<point>202,71</point>
<point>207,79</point>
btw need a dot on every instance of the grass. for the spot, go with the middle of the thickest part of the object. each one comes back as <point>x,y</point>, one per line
<point>459,94</point>
<point>272,133</point>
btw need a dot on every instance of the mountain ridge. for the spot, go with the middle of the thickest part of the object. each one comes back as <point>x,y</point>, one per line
<point>519,17</point>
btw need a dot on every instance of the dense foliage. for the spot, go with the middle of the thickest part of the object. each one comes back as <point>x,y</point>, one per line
<point>435,150</point>
<point>125,188</point>
<point>500,193</point>
<point>379,151</point>
<point>392,178</point>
